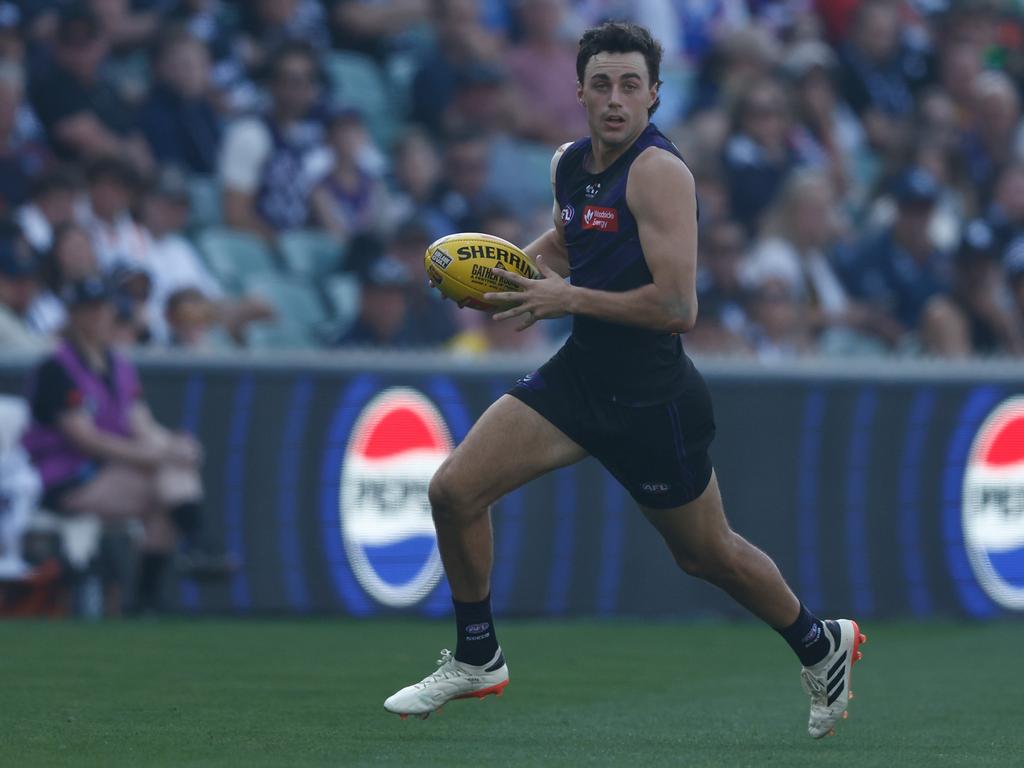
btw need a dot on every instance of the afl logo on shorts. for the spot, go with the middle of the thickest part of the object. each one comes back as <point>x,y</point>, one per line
<point>993,505</point>
<point>567,213</point>
<point>396,445</point>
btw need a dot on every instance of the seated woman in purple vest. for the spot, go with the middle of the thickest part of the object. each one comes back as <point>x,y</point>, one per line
<point>100,451</point>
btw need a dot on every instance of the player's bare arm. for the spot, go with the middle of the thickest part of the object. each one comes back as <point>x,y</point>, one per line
<point>661,195</point>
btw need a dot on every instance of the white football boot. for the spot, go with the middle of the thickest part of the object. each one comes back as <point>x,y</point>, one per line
<point>828,681</point>
<point>452,680</point>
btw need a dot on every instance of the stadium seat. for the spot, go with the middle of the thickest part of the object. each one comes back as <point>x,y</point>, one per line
<point>309,253</point>
<point>342,296</point>
<point>299,308</point>
<point>204,202</point>
<point>233,255</point>
<point>279,335</point>
<point>357,82</point>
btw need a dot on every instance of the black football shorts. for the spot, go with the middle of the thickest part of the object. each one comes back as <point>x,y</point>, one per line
<point>658,452</point>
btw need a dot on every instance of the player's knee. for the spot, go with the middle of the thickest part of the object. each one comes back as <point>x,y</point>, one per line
<point>448,502</point>
<point>712,563</point>
<point>690,563</point>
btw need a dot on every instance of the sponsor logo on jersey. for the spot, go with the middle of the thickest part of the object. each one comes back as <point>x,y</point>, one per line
<point>993,505</point>
<point>567,213</point>
<point>396,445</point>
<point>592,190</point>
<point>441,258</point>
<point>604,219</point>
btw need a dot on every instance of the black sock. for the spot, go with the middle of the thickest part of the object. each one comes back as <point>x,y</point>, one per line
<point>477,640</point>
<point>151,577</point>
<point>188,519</point>
<point>806,636</point>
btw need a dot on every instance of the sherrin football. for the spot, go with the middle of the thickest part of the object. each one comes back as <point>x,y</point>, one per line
<point>460,266</point>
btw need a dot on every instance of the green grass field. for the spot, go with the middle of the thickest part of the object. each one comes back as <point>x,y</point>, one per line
<point>297,693</point>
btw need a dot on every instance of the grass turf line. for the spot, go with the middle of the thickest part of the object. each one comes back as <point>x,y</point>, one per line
<point>298,693</point>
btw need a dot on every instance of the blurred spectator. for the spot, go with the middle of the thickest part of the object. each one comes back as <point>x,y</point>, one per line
<point>957,197</point>
<point>994,132</point>
<point>779,328</point>
<point>191,317</point>
<point>741,55</point>
<point>1005,214</point>
<point>689,29</point>
<point>268,164</point>
<point>22,155</point>
<point>383,303</point>
<point>83,114</point>
<point>899,271</point>
<point>269,24</point>
<point>541,66</point>
<point>937,116</point>
<point>18,287</point>
<point>39,20</point>
<point>70,257</point>
<point>98,448</point>
<point>391,312</point>
<point>51,204</point>
<point>464,196</point>
<point>211,22</point>
<point>12,40</point>
<point>349,199</point>
<point>723,325</point>
<point>371,27</point>
<point>484,105</point>
<point>416,176</point>
<point>179,118</point>
<point>1013,264</point>
<point>461,42</point>
<point>125,25</point>
<point>959,66</point>
<point>758,155</point>
<point>984,318</point>
<point>431,319</point>
<point>880,70</point>
<point>712,188</point>
<point>828,135</point>
<point>112,186</point>
<point>131,288</point>
<point>937,142</point>
<point>796,252</point>
<point>175,266</point>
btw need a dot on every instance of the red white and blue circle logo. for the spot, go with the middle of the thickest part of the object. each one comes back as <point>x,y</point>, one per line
<point>396,445</point>
<point>993,505</point>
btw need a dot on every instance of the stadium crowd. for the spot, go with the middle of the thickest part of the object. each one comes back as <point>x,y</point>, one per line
<point>269,173</point>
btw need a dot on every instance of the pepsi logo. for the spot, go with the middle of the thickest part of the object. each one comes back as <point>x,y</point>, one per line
<point>993,505</point>
<point>396,445</point>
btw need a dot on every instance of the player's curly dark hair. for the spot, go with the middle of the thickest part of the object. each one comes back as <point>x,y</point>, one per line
<point>622,37</point>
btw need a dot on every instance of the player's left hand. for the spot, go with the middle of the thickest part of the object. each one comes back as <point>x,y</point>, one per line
<point>540,298</point>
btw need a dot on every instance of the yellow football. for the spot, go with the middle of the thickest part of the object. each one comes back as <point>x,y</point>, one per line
<point>461,266</point>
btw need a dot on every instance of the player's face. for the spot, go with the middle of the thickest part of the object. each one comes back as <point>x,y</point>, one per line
<point>617,92</point>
